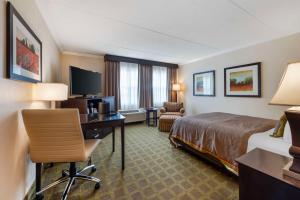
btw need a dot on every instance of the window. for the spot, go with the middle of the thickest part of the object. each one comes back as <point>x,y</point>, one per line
<point>159,84</point>
<point>129,86</point>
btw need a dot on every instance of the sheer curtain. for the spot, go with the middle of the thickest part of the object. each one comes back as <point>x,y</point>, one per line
<point>129,86</point>
<point>159,85</point>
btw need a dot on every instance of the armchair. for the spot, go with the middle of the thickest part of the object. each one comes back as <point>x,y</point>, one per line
<point>172,108</point>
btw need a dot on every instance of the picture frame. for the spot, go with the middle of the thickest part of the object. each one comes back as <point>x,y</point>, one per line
<point>204,83</point>
<point>24,49</point>
<point>243,80</point>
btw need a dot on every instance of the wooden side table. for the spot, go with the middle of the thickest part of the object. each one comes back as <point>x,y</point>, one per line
<point>152,118</point>
<point>261,177</point>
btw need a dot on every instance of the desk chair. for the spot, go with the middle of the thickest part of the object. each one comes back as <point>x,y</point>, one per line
<point>56,136</point>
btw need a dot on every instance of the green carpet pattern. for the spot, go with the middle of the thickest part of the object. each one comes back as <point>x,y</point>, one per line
<point>154,170</point>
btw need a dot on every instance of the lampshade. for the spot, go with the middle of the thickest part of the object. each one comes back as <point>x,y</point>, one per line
<point>176,87</point>
<point>50,92</point>
<point>289,88</point>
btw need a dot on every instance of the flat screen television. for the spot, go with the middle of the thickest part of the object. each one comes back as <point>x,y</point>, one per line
<point>84,82</point>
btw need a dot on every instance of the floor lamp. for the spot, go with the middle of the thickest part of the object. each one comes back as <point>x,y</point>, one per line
<point>176,87</point>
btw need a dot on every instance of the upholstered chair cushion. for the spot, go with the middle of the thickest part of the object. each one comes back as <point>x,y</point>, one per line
<point>173,106</point>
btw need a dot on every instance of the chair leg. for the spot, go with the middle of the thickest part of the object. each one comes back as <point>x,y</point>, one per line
<point>88,178</point>
<point>77,175</point>
<point>86,168</point>
<point>38,183</point>
<point>67,189</point>
<point>67,175</point>
<point>60,180</point>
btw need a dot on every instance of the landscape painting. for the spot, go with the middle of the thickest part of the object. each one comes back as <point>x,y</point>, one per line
<point>243,80</point>
<point>204,83</point>
<point>24,49</point>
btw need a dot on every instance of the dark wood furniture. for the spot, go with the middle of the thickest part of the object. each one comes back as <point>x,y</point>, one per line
<point>261,177</point>
<point>96,121</point>
<point>151,120</point>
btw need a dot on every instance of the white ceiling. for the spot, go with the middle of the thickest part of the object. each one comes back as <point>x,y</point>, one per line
<point>176,31</point>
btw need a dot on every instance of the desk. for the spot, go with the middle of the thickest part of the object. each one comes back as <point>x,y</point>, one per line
<point>94,121</point>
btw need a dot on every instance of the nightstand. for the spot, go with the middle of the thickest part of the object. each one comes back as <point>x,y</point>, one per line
<point>261,177</point>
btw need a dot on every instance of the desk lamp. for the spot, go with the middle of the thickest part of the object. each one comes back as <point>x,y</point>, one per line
<point>50,92</point>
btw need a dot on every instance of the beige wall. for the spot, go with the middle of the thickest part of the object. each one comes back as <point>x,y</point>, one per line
<point>89,62</point>
<point>274,56</point>
<point>16,170</point>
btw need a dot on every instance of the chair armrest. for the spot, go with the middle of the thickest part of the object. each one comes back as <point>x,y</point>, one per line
<point>163,110</point>
<point>181,110</point>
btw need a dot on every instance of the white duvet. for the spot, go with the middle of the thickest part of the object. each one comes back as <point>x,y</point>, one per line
<point>265,141</point>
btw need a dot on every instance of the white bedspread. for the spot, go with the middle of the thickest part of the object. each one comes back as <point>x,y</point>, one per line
<point>264,141</point>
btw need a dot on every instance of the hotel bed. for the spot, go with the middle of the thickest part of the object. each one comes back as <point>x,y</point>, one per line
<point>222,137</point>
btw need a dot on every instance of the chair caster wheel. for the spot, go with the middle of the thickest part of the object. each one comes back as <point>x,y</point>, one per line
<point>63,174</point>
<point>94,169</point>
<point>97,186</point>
<point>39,197</point>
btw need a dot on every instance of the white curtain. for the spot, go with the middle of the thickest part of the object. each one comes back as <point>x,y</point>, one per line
<point>129,86</point>
<point>159,84</point>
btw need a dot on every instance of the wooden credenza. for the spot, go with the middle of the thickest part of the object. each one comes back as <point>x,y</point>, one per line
<point>261,177</point>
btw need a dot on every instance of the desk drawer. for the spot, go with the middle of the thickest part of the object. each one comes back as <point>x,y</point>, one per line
<point>97,133</point>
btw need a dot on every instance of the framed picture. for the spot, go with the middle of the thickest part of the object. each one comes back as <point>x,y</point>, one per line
<point>243,80</point>
<point>204,83</point>
<point>24,49</point>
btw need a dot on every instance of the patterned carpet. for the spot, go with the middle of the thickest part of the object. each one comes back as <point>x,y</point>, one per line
<point>154,170</point>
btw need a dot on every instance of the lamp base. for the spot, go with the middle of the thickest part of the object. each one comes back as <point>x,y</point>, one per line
<point>293,117</point>
<point>286,171</point>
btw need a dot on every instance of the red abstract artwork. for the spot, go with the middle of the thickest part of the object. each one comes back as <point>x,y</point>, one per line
<point>26,56</point>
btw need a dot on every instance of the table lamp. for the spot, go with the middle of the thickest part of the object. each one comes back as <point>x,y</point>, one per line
<point>50,92</point>
<point>176,87</point>
<point>288,94</point>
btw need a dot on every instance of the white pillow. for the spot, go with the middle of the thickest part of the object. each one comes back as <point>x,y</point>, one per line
<point>287,136</point>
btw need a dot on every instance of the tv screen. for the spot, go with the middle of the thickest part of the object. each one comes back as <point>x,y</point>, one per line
<point>83,82</point>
